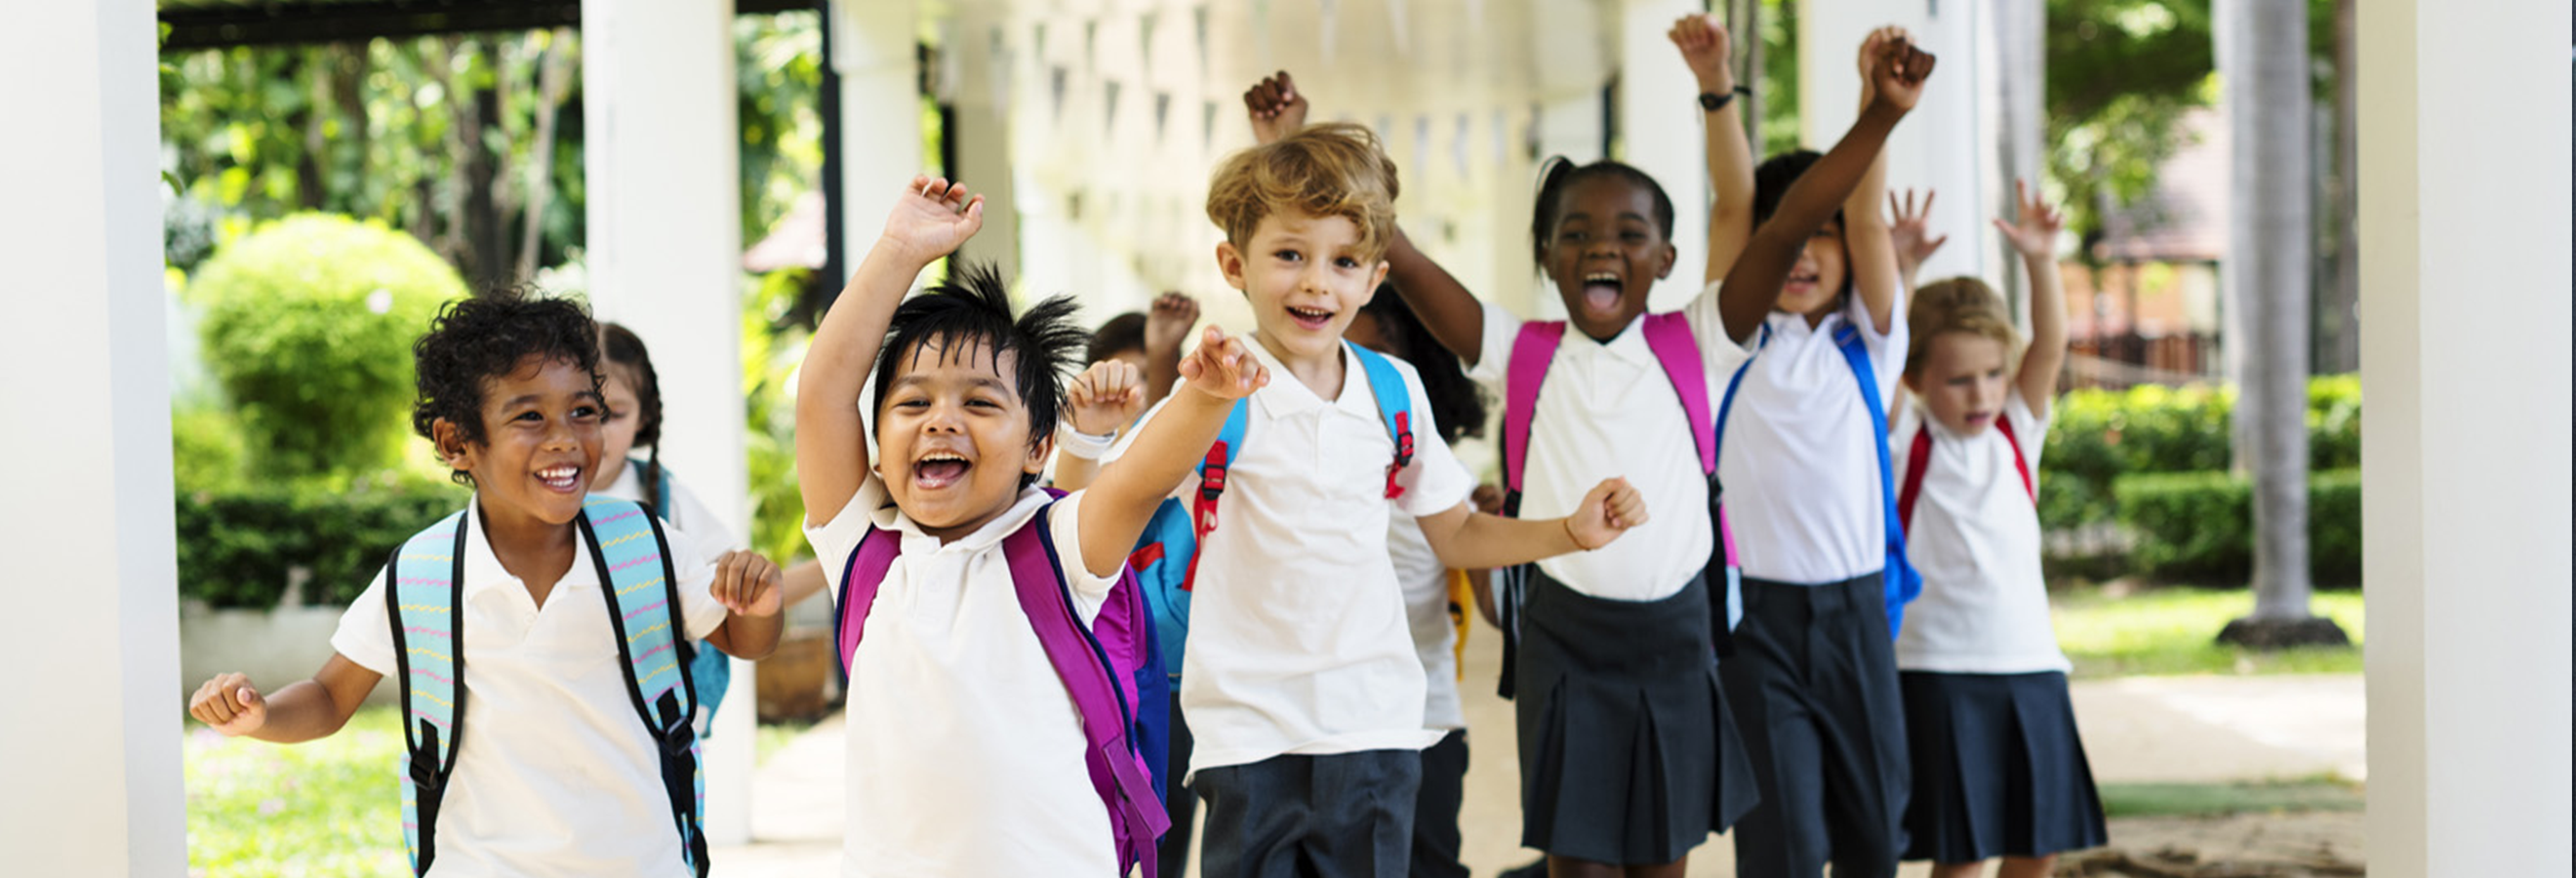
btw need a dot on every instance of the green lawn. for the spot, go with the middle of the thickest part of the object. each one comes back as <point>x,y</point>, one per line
<point>2173,631</point>
<point>326,808</point>
<point>2209,800</point>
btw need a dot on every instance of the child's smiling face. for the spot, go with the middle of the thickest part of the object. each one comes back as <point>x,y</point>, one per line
<point>617,426</point>
<point>1815,284</point>
<point>541,440</point>
<point>1605,252</point>
<point>953,440</point>
<point>1306,279</point>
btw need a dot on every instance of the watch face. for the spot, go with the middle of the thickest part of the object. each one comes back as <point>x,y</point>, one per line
<point>1713,102</point>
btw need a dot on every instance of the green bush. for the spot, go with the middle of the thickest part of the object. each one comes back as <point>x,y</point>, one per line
<point>2100,436</point>
<point>309,322</point>
<point>236,547</point>
<point>2199,527</point>
<point>206,450</point>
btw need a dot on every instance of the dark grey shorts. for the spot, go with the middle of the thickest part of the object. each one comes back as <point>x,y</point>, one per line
<point>1813,685</point>
<point>1344,815</point>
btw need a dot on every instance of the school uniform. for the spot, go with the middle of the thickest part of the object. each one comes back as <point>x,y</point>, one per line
<point>1436,839</point>
<point>965,751</point>
<point>1999,769</point>
<point>1301,683</point>
<point>555,775</point>
<point>1813,679</point>
<point>1628,749</point>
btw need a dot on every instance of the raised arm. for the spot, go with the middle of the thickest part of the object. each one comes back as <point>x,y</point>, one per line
<point>2034,234</point>
<point>1911,233</point>
<point>1120,502</point>
<point>1099,402</point>
<point>1471,540</point>
<point>931,218</point>
<point>1753,284</point>
<point>1873,255</point>
<point>1167,325</point>
<point>1705,46</point>
<point>1452,314</point>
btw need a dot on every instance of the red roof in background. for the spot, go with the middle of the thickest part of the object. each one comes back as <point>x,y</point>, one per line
<point>2184,218</point>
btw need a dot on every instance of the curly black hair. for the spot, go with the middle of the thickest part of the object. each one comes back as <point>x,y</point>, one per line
<point>475,340</point>
<point>974,305</point>
<point>1558,174</point>
<point>624,348</point>
<point>1457,405</point>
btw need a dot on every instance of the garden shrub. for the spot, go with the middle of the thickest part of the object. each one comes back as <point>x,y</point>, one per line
<point>2199,527</point>
<point>2100,436</point>
<point>309,322</point>
<point>237,546</point>
<point>206,450</point>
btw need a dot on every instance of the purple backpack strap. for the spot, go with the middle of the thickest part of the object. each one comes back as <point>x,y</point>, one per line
<point>1118,773</point>
<point>1668,335</point>
<point>1531,352</point>
<point>867,570</point>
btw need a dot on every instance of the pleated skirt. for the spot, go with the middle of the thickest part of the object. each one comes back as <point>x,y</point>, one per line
<point>1998,768</point>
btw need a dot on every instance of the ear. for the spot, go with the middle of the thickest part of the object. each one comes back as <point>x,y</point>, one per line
<point>451,444</point>
<point>1039,451</point>
<point>1230,260</point>
<point>1912,379</point>
<point>1665,256</point>
<point>1377,279</point>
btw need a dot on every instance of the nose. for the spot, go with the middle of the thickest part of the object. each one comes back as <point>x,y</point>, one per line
<point>561,434</point>
<point>945,417</point>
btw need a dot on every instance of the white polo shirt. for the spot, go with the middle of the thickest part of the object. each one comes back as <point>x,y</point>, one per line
<point>555,774</point>
<point>1607,410</point>
<point>1298,638</point>
<point>1975,539</point>
<point>1799,461</point>
<point>965,750</point>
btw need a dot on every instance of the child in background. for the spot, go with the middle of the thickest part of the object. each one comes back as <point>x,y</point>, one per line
<point>1149,344</point>
<point>561,778</point>
<point>1999,770</point>
<point>969,753</point>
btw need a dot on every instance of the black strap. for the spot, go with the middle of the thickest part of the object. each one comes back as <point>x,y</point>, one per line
<point>672,733</point>
<point>1720,597</point>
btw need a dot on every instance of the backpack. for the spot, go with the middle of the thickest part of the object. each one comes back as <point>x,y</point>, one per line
<point>425,581</point>
<point>1109,667</point>
<point>1920,454</point>
<point>1899,581</point>
<point>1668,335</point>
<point>711,670</point>
<point>1167,553</point>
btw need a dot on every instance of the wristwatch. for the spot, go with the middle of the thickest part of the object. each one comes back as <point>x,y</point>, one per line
<point>1714,102</point>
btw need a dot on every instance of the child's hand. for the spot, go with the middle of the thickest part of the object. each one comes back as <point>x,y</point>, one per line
<point>1168,323</point>
<point>933,217</point>
<point>2035,234</point>
<point>1487,499</point>
<point>1607,511</point>
<point>1278,109</point>
<point>1223,367</point>
<point>1707,49</point>
<point>1910,230</point>
<point>1893,70</point>
<point>230,705</point>
<point>1105,397</point>
<point>748,585</point>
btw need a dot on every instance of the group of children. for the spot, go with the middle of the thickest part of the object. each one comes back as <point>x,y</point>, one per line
<point>1703,552</point>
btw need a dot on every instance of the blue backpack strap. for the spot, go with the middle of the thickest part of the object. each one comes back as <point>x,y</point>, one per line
<point>1394,409</point>
<point>1901,582</point>
<point>424,583</point>
<point>633,558</point>
<point>1098,664</point>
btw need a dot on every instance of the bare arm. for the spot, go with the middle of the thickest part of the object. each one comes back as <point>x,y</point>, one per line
<point>304,710</point>
<point>1100,401</point>
<point>2034,235</point>
<point>1706,47</point>
<point>929,220</point>
<point>805,580</point>
<point>1117,505</point>
<point>1911,233</point>
<point>1873,253</point>
<point>1471,540</point>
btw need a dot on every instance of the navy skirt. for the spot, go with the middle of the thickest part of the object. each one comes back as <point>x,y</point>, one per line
<point>1628,754</point>
<point>1998,768</point>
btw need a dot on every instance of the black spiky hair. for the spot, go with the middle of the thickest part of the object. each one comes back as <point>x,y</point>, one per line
<point>974,305</point>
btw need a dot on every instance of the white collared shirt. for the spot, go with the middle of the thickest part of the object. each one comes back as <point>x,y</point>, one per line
<point>687,515</point>
<point>965,751</point>
<point>1799,460</point>
<point>1298,635</point>
<point>555,773</point>
<point>1975,538</point>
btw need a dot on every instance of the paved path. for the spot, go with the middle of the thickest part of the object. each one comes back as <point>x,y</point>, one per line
<point>2137,729</point>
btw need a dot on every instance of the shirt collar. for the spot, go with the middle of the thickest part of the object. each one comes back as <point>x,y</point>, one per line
<point>1286,395</point>
<point>1629,345</point>
<point>1795,326</point>
<point>1031,499</point>
<point>483,570</point>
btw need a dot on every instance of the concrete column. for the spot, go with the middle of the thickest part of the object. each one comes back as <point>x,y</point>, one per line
<point>981,136</point>
<point>1952,140</point>
<point>1660,126</point>
<point>2465,284</point>
<point>875,49</point>
<point>92,750</point>
<point>665,259</point>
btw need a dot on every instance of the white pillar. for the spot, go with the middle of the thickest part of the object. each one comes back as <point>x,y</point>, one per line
<point>664,254</point>
<point>1660,131</point>
<point>1950,142</point>
<point>2464,301</point>
<point>874,48</point>
<point>981,139</point>
<point>91,751</point>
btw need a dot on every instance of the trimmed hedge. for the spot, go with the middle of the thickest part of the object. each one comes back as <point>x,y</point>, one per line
<point>236,547</point>
<point>2101,436</point>
<point>2199,527</point>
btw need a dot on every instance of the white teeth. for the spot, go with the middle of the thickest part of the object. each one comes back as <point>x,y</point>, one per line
<point>940,457</point>
<point>1601,277</point>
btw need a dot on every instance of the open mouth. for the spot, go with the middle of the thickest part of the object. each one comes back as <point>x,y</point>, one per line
<point>561,479</point>
<point>1312,319</point>
<point>939,469</point>
<point>1602,293</point>
<point>1800,282</point>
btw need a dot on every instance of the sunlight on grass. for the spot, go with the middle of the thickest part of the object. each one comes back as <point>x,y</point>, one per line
<point>2174,631</point>
<point>2204,800</point>
<point>322,809</point>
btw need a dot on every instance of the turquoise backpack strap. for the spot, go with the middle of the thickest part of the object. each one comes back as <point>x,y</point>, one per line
<point>424,581</point>
<point>643,592</point>
<point>1394,409</point>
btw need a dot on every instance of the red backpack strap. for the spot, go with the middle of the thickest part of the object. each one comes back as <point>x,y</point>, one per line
<point>1532,350</point>
<point>1915,460</point>
<point>859,581</point>
<point>2003,424</point>
<point>1668,335</point>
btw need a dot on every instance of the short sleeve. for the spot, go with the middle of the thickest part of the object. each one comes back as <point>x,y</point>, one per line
<point>1434,482</point>
<point>836,538</point>
<point>697,578</point>
<point>1064,526</point>
<point>2029,428</point>
<point>1494,361</point>
<point>1708,327</point>
<point>365,635</point>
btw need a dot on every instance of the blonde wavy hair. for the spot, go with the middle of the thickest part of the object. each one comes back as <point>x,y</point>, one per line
<point>1962,305</point>
<point>1328,170</point>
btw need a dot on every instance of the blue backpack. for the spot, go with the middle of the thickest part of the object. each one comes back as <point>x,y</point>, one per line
<point>712,670</point>
<point>425,581</point>
<point>1900,581</point>
<point>1110,667</point>
<point>1166,559</point>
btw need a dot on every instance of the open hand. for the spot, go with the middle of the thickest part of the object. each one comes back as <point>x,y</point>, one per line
<point>1707,49</point>
<point>230,705</point>
<point>1910,229</point>
<point>1168,323</point>
<point>748,585</point>
<point>1607,511</point>
<point>1223,367</point>
<point>2034,233</point>
<point>933,217</point>
<point>1277,108</point>
<point>1105,397</point>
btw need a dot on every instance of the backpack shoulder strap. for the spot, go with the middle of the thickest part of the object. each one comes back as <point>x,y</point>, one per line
<point>1726,406</point>
<point>2021,465</point>
<point>424,584</point>
<point>1916,458</point>
<point>1394,409</point>
<point>1532,351</point>
<point>1668,335</point>
<point>1212,477</point>
<point>1091,678</point>
<point>1901,584</point>
<point>860,578</point>
<point>636,577</point>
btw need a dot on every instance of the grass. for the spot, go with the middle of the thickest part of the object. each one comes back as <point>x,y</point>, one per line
<point>2323,793</point>
<point>2164,631</point>
<point>316,810</point>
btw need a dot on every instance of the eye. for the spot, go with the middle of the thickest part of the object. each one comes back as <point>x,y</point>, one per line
<point>980,402</point>
<point>1632,236</point>
<point>1346,263</point>
<point>1289,256</point>
<point>912,402</point>
<point>528,417</point>
<point>585,412</point>
<point>1573,236</point>
<point>612,415</point>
